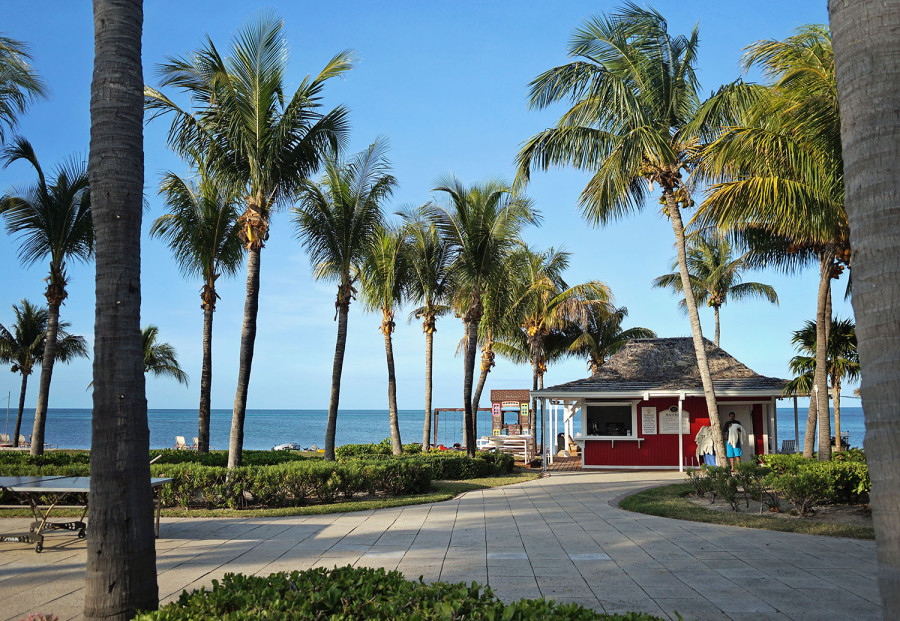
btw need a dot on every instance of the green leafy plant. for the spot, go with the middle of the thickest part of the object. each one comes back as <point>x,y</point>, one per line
<point>360,593</point>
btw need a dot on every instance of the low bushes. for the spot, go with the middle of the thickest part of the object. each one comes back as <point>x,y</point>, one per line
<point>351,451</point>
<point>359,593</point>
<point>802,481</point>
<point>288,484</point>
<point>279,478</point>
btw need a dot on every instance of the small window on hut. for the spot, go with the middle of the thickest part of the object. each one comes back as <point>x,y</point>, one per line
<point>610,420</point>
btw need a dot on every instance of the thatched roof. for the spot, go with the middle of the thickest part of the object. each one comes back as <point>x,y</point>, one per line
<point>669,364</point>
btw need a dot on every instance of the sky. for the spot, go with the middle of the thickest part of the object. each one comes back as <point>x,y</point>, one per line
<point>446,84</point>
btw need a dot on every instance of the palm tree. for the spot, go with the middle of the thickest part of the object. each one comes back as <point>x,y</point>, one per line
<point>633,124</point>
<point>201,230</point>
<point>864,31</point>
<point>384,278</point>
<point>482,224</point>
<point>22,345</point>
<point>842,362</point>
<point>336,220</point>
<point>603,336</point>
<point>256,140</point>
<point>429,287</point>
<point>160,359</point>
<point>779,171</point>
<point>547,306</point>
<point>121,548</point>
<point>52,220</point>
<point>715,275</point>
<point>19,84</point>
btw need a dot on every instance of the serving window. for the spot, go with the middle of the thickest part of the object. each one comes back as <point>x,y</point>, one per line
<point>610,419</point>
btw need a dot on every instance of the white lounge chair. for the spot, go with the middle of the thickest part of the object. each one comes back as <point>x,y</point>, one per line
<point>180,444</point>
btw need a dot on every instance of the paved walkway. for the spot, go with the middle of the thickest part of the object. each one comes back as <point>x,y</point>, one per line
<point>559,537</point>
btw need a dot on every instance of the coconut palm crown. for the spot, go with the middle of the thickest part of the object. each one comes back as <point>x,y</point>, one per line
<point>22,346</point>
<point>715,275</point>
<point>19,84</point>
<point>603,336</point>
<point>160,358</point>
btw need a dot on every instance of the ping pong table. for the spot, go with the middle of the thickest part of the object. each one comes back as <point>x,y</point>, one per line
<point>55,488</point>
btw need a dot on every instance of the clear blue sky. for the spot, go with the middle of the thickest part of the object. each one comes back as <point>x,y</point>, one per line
<point>446,83</point>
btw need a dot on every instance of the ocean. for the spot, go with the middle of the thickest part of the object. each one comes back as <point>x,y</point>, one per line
<point>263,429</point>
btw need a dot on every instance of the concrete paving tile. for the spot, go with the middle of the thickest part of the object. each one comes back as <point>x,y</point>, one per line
<point>696,609</point>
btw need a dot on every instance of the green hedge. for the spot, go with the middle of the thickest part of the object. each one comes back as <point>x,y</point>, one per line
<point>352,451</point>
<point>288,484</point>
<point>360,593</point>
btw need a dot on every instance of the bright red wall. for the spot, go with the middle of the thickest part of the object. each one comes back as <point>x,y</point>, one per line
<point>661,450</point>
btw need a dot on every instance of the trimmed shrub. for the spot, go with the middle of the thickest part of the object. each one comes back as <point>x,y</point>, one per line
<point>805,489</point>
<point>360,593</point>
<point>783,464</point>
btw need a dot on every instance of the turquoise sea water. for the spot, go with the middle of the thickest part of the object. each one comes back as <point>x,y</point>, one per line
<point>263,429</point>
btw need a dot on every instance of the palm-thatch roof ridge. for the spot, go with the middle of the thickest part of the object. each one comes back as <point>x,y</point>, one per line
<point>669,364</point>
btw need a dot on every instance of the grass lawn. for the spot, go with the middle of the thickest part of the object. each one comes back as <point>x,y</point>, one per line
<point>671,501</point>
<point>440,491</point>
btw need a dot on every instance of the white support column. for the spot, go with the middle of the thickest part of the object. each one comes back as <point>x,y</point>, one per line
<point>680,433</point>
<point>552,430</point>
<point>774,426</point>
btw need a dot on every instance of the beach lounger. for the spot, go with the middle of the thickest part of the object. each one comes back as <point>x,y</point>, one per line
<point>4,439</point>
<point>23,441</point>
<point>180,444</point>
<point>788,446</point>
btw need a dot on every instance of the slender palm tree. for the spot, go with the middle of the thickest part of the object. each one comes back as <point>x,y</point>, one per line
<point>547,306</point>
<point>19,83</point>
<point>779,170</point>
<point>633,124</point>
<point>121,547</point>
<point>865,31</point>
<point>201,230</point>
<point>160,358</point>
<point>255,139</point>
<point>336,220</point>
<point>384,279</point>
<point>715,275</point>
<point>22,346</point>
<point>603,336</point>
<point>482,225</point>
<point>430,287</point>
<point>52,220</point>
<point>842,359</point>
<point>497,318</point>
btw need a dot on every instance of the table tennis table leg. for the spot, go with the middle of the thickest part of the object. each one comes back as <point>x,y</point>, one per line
<point>158,508</point>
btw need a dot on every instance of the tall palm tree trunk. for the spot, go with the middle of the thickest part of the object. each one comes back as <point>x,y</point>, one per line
<point>336,371</point>
<point>18,428</point>
<point>716,308</point>
<point>205,383</point>
<point>40,412</point>
<point>396,444</point>
<point>813,419</point>
<point>429,359</point>
<point>468,380</point>
<point>866,49</point>
<point>836,383</point>
<point>121,549</point>
<point>823,319</point>
<point>487,363</point>
<point>248,340</point>
<point>696,331</point>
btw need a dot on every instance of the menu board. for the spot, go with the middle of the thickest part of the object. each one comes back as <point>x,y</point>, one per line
<point>668,422</point>
<point>648,421</point>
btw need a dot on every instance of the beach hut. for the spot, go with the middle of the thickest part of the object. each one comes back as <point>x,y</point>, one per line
<point>509,412</point>
<point>644,407</point>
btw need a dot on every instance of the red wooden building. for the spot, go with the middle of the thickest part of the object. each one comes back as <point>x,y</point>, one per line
<point>646,405</point>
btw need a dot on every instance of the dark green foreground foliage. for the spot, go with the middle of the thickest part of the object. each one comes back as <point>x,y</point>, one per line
<point>360,593</point>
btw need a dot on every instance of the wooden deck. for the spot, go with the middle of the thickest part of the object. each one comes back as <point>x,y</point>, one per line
<point>565,464</point>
